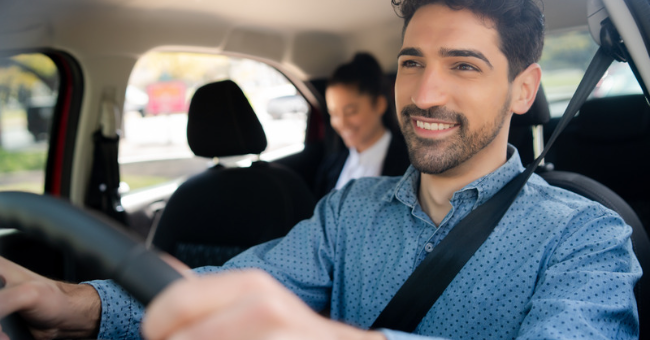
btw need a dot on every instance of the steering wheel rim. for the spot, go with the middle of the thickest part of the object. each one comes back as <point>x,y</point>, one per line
<point>92,238</point>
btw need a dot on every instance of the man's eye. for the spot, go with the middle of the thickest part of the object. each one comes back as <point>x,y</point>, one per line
<point>466,67</point>
<point>409,63</point>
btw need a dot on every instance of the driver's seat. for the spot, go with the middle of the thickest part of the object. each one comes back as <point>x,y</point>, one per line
<point>217,214</point>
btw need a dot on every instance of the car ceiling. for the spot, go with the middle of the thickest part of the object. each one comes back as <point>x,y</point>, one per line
<point>307,36</point>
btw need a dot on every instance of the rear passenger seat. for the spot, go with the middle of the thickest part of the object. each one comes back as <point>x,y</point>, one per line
<point>609,141</point>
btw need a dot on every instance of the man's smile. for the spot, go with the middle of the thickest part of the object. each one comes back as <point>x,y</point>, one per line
<point>434,126</point>
<point>430,128</point>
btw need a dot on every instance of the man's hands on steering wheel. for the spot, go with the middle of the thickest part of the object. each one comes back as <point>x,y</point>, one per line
<point>246,304</point>
<point>51,309</point>
<point>238,305</point>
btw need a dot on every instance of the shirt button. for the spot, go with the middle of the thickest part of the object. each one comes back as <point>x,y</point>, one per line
<point>428,247</point>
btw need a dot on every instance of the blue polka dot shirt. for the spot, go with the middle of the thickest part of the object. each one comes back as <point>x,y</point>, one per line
<point>557,266</point>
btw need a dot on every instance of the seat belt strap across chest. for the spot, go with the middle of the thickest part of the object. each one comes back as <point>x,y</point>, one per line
<point>426,284</point>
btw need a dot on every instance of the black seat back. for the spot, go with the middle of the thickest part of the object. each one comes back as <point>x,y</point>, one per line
<point>219,213</point>
<point>609,142</point>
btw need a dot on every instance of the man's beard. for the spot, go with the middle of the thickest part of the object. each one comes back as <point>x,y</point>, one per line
<point>437,156</point>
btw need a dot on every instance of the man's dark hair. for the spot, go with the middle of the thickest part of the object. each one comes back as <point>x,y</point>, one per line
<point>520,24</point>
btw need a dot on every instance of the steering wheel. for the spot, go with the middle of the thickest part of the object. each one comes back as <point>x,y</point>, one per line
<point>92,238</point>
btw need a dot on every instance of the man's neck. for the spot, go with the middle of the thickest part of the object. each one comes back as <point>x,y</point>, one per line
<point>436,191</point>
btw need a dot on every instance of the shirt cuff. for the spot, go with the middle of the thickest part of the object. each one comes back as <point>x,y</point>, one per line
<point>121,313</point>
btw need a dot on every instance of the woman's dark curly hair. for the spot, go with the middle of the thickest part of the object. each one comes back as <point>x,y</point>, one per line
<point>520,24</point>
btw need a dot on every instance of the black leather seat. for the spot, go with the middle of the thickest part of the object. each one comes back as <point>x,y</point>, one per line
<point>219,213</point>
<point>609,142</point>
<point>587,187</point>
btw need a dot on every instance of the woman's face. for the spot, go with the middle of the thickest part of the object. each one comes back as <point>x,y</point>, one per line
<point>355,116</point>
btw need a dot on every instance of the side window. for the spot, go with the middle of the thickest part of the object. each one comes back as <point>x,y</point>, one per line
<point>28,93</point>
<point>564,60</point>
<point>154,149</point>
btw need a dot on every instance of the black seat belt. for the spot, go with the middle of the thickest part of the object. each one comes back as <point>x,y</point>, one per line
<point>103,190</point>
<point>103,194</point>
<point>422,289</point>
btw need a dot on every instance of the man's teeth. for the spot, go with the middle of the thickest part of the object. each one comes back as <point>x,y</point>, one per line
<point>433,126</point>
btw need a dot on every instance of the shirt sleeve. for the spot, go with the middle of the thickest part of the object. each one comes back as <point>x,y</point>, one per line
<point>302,261</point>
<point>586,290</point>
<point>121,312</point>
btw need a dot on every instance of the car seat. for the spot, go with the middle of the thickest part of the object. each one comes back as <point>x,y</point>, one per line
<point>579,183</point>
<point>219,213</point>
<point>608,141</point>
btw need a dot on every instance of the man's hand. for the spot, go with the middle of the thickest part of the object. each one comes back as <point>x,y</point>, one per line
<point>239,305</point>
<point>51,309</point>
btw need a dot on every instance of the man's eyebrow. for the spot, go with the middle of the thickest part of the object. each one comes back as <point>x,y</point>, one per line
<point>412,51</point>
<point>446,52</point>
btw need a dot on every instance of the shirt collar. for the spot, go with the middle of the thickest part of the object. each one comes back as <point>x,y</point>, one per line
<point>374,153</point>
<point>483,188</point>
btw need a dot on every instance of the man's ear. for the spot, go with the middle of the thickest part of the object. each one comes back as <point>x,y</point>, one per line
<point>525,88</point>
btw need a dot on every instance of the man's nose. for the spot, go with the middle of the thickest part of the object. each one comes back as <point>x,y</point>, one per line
<point>430,90</point>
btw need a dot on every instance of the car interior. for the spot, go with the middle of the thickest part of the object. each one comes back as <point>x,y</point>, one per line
<point>210,170</point>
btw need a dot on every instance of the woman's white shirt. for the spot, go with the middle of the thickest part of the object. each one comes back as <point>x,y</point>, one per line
<point>367,163</point>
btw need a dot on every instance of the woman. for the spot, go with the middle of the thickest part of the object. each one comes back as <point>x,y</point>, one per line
<point>361,115</point>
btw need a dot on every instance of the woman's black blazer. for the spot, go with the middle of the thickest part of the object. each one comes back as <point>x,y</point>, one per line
<point>395,164</point>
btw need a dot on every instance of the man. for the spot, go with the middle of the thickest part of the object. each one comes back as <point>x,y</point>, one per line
<point>556,266</point>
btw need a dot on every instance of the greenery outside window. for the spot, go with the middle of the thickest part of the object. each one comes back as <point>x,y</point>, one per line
<point>28,93</point>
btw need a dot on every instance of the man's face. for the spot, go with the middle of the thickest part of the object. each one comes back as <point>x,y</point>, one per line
<point>452,90</point>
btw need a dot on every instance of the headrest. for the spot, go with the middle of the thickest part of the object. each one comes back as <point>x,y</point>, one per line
<point>221,122</point>
<point>538,114</point>
<point>614,118</point>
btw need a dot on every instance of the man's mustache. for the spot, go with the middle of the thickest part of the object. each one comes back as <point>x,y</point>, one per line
<point>437,112</point>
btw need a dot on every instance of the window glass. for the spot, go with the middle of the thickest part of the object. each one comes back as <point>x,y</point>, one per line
<point>28,93</point>
<point>565,59</point>
<point>154,149</point>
